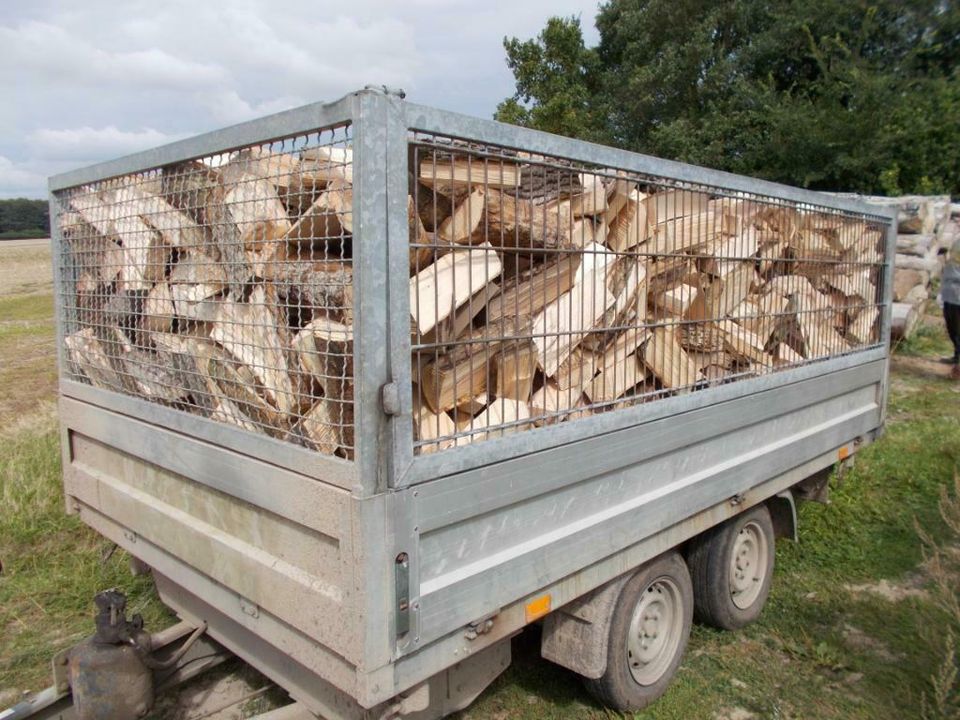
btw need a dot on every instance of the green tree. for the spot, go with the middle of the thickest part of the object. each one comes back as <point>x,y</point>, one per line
<point>828,94</point>
<point>24,218</point>
<point>556,88</point>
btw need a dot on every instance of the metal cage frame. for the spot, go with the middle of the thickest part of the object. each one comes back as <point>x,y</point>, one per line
<point>382,123</point>
<point>398,504</point>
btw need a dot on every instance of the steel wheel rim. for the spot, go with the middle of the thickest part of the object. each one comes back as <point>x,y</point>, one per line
<point>656,631</point>
<point>748,565</point>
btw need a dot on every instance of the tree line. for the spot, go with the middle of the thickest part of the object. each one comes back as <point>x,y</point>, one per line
<point>22,218</point>
<point>858,95</point>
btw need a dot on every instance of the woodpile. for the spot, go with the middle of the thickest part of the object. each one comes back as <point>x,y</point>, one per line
<point>222,289</point>
<point>538,302</point>
<point>926,225</point>
<point>538,293</point>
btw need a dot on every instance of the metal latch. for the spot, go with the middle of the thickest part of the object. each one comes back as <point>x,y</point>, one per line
<point>390,398</point>
<point>399,92</point>
<point>481,626</point>
<point>401,574</point>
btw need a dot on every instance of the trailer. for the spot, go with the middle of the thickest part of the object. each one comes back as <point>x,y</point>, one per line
<point>371,386</point>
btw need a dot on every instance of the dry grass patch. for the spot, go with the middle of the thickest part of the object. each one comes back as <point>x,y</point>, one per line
<point>25,268</point>
<point>28,373</point>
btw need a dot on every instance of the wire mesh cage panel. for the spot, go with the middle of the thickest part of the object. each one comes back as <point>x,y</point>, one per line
<point>221,286</point>
<point>544,290</point>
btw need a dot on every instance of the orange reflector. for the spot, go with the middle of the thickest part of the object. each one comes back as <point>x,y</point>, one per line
<point>844,452</point>
<point>536,608</point>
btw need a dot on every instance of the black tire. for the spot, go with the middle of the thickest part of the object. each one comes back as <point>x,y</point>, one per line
<point>662,582</point>
<point>724,597</point>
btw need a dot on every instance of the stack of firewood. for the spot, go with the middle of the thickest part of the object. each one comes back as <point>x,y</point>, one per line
<point>599,292</point>
<point>222,290</point>
<point>538,293</point>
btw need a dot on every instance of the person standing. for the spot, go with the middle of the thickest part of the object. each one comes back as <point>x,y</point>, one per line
<point>950,294</point>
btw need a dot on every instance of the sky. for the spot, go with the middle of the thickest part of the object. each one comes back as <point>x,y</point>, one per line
<point>91,80</point>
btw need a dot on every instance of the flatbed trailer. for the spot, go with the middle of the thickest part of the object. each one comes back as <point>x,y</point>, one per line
<point>343,527</point>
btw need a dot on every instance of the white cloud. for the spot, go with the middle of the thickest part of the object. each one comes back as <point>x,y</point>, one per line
<point>226,107</point>
<point>17,180</point>
<point>57,54</point>
<point>90,144</point>
<point>88,81</point>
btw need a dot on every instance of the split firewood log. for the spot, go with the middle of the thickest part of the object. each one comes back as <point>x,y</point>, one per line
<point>560,326</point>
<point>690,232</point>
<point>176,228</point>
<point>321,426</point>
<point>313,286</point>
<point>445,174</point>
<point>144,254</point>
<point>665,358</point>
<point>249,332</point>
<point>457,324</point>
<point>330,217</point>
<point>438,290</point>
<point>159,310</point>
<point>578,370</point>
<point>88,358</point>
<point>463,222</point>
<point>513,224</point>
<point>667,205</point>
<point>196,190</point>
<point>325,352</point>
<point>514,368</point>
<point>550,405</point>
<point>719,297</point>
<point>327,164</point>
<point>435,431</point>
<point>630,226</point>
<point>463,371</point>
<point>626,283</point>
<point>616,379</point>
<point>675,301</point>
<point>503,416</point>
<point>195,286</point>
<point>861,329</point>
<point>98,257</point>
<point>592,198</point>
<point>739,341</point>
<point>528,292</point>
<point>254,207</point>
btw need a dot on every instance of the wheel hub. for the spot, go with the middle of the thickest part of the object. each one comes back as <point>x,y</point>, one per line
<point>655,631</point>
<point>748,565</point>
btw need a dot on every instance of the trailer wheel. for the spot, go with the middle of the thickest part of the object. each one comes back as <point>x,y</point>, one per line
<point>732,567</point>
<point>648,634</point>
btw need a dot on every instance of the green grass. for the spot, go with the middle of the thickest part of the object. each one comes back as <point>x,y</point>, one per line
<point>27,362</point>
<point>52,565</point>
<point>928,341</point>
<point>26,314</point>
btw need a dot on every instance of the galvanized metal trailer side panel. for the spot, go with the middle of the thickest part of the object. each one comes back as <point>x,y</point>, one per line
<point>289,554</point>
<point>270,540</point>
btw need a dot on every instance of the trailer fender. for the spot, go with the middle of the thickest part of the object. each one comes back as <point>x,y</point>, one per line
<point>783,512</point>
<point>576,636</point>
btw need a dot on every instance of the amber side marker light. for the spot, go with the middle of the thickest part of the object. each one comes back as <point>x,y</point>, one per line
<point>536,608</point>
<point>844,453</point>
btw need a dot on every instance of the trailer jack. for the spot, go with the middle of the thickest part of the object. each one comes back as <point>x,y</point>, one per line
<point>116,673</point>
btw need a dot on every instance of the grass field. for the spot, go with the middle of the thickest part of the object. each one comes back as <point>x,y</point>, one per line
<point>851,629</point>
